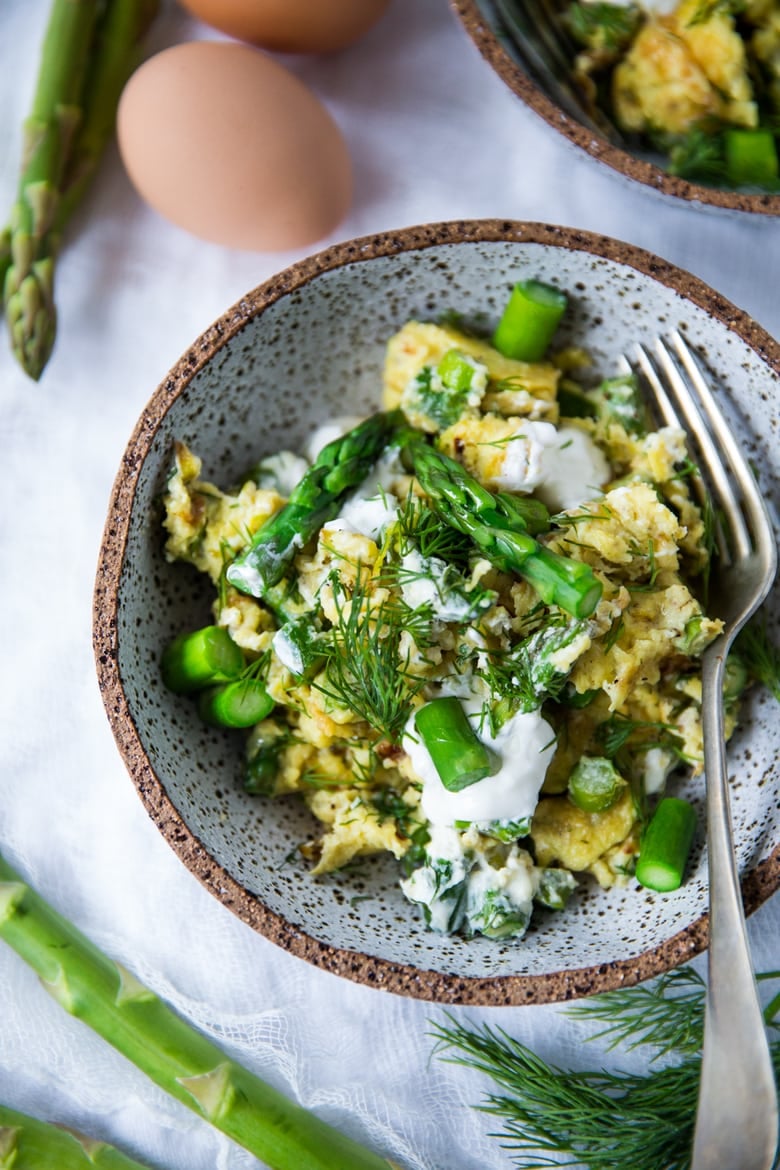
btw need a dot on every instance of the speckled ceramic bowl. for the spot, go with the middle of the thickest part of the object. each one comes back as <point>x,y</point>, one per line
<point>483,23</point>
<point>309,344</point>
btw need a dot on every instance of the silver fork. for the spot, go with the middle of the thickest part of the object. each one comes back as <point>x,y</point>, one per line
<point>737,1115</point>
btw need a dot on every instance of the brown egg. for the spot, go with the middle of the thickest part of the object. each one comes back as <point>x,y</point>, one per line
<point>291,26</point>
<point>225,142</point>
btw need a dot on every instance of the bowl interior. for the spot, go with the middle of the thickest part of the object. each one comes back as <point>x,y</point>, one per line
<point>483,22</point>
<point>276,366</point>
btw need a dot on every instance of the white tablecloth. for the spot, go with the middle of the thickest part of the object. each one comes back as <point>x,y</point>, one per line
<point>434,134</point>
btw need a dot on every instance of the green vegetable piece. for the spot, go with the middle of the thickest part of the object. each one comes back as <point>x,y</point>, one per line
<point>439,888</point>
<point>497,529</point>
<point>570,697</point>
<point>601,27</point>
<point>443,393</point>
<point>575,403</point>
<point>457,753</point>
<point>302,647</point>
<point>529,321</point>
<point>528,674</point>
<point>735,677</point>
<point>555,887</point>
<point>751,158</point>
<point>200,659</point>
<point>595,784</point>
<point>492,913</point>
<point>27,1143</point>
<point>456,371</point>
<point>236,704</point>
<point>341,465</point>
<point>180,1060</point>
<point>89,50</point>
<point>666,844</point>
<point>620,400</point>
<point>505,831</point>
<point>528,513</point>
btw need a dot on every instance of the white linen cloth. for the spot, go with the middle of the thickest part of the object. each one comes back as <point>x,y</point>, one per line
<point>434,135</point>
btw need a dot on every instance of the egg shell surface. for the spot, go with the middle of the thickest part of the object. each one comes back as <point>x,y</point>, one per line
<point>226,143</point>
<point>291,26</point>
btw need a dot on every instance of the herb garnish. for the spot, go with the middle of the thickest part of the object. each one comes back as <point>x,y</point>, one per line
<point>368,671</point>
<point>597,1119</point>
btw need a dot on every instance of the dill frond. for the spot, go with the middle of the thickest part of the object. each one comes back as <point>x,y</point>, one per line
<point>367,670</point>
<point>667,1014</point>
<point>759,654</point>
<point>418,526</point>
<point>596,1119</point>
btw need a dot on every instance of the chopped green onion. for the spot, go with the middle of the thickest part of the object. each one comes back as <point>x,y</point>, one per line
<point>666,844</point>
<point>751,158</point>
<point>595,784</point>
<point>201,659</point>
<point>236,704</point>
<point>456,371</point>
<point>458,754</point>
<point>530,319</point>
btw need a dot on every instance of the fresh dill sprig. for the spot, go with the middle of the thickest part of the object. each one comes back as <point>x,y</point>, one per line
<point>367,669</point>
<point>522,678</point>
<point>597,1119</point>
<point>615,732</point>
<point>666,1014</point>
<point>759,654</point>
<point>418,526</point>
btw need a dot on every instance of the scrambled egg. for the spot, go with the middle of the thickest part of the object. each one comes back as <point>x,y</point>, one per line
<point>683,68</point>
<point>643,535</point>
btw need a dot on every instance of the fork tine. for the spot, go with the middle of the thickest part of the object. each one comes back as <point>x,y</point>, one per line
<point>723,459</point>
<point>670,417</point>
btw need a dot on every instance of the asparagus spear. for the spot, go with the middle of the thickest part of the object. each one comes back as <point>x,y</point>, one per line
<point>341,465</point>
<point>179,1059</point>
<point>29,1144</point>
<point>28,291</point>
<point>495,524</point>
<point>88,53</point>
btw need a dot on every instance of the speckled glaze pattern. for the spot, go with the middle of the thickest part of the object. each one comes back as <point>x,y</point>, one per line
<point>304,346</point>
<point>482,22</point>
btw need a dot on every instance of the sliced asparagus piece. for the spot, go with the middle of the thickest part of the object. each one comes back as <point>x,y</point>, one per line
<point>170,1051</point>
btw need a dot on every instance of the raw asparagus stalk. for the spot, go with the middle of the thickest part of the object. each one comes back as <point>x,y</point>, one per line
<point>89,51</point>
<point>116,51</point>
<point>29,1144</point>
<point>29,279</point>
<point>341,465</point>
<point>496,527</point>
<point>162,1044</point>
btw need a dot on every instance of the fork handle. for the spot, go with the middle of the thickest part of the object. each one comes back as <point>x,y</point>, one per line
<point>736,1122</point>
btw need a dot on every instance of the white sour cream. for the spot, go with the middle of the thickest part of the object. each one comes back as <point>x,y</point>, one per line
<point>287,652</point>
<point>525,746</point>
<point>515,879</point>
<point>422,585</point>
<point>562,465</point>
<point>372,506</point>
<point>661,7</point>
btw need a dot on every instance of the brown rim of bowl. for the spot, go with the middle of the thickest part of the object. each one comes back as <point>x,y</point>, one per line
<point>401,979</point>
<point>590,141</point>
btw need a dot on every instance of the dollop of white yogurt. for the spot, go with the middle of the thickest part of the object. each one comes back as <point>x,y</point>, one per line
<point>525,745</point>
<point>561,465</point>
